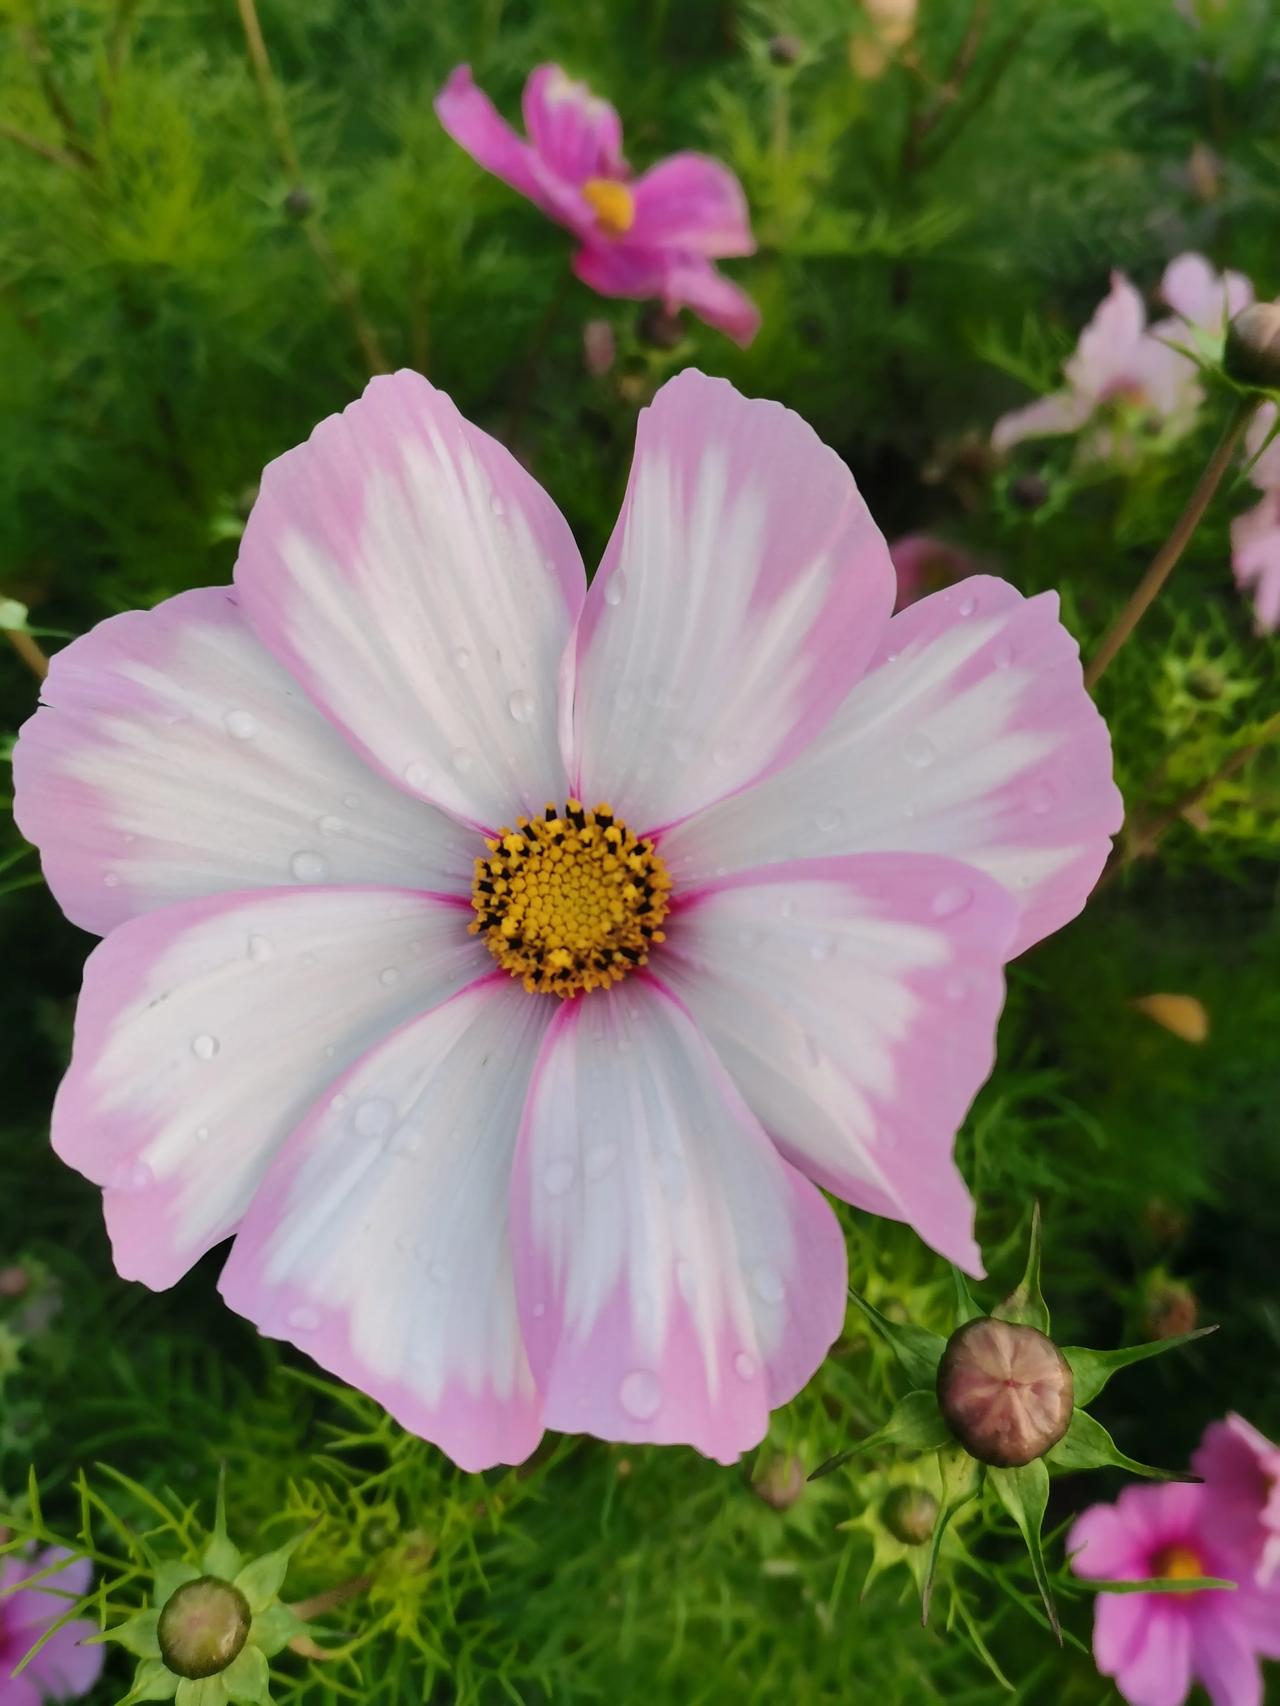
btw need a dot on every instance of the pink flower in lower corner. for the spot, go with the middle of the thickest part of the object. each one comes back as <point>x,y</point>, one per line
<point>1156,1645</point>
<point>652,236</point>
<point>1241,1469</point>
<point>30,1601</point>
<point>558,1169</point>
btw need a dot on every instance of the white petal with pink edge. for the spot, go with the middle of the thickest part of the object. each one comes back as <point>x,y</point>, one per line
<point>744,590</point>
<point>172,757</point>
<point>422,587</point>
<point>854,1002</point>
<point>971,736</point>
<point>205,1031</point>
<point>677,1279</point>
<point>378,1243</point>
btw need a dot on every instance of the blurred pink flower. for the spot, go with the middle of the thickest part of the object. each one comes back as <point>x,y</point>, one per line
<point>1241,1469</point>
<point>1154,1645</point>
<point>63,1669</point>
<point>924,564</point>
<point>1255,535</point>
<point>1120,357</point>
<point>652,236</point>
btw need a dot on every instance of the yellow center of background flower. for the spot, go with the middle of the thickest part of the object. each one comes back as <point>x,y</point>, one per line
<point>569,901</point>
<point>613,205</point>
<point>1178,1564</point>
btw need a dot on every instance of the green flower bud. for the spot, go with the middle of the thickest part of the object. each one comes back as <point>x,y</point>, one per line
<point>1005,1391</point>
<point>909,1513</point>
<point>1253,346</point>
<point>203,1627</point>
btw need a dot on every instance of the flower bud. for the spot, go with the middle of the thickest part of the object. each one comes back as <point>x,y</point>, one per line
<point>599,348</point>
<point>299,203</point>
<point>785,49</point>
<point>1005,1391</point>
<point>1253,346</point>
<point>909,1513</point>
<point>203,1626</point>
<point>1171,1308</point>
<point>780,1482</point>
<point>660,328</point>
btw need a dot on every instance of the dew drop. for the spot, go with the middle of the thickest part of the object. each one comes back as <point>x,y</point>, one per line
<point>641,1394</point>
<point>558,1177</point>
<point>462,759</point>
<point>308,867</point>
<point>351,801</point>
<point>744,1366</point>
<point>330,825</point>
<point>521,706</point>
<point>418,775</point>
<point>497,506</point>
<point>303,1318</point>
<point>615,588</point>
<point>768,1284</point>
<point>259,948</point>
<point>240,725</point>
<point>374,1117</point>
<point>787,909</point>
<point>389,975</point>
<point>461,658</point>
<point>1040,799</point>
<point>947,902</point>
<point>111,880</point>
<point>967,606</point>
<point>329,1051</point>
<point>204,1047</point>
<point>131,1176</point>
<point>829,820</point>
<point>339,1102</point>
<point>1002,657</point>
<point>919,751</point>
<point>600,1159</point>
<point>539,1310</point>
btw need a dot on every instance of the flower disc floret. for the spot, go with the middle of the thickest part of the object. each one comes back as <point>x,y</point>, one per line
<point>570,901</point>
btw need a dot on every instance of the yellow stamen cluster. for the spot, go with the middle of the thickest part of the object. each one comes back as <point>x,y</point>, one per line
<point>570,901</point>
<point>1178,1563</point>
<point>613,205</point>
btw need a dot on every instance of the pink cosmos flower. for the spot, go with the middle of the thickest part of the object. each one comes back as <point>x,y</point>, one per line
<point>1155,1644</point>
<point>1120,357</point>
<point>1241,1468</point>
<point>1255,535</point>
<point>284,803</point>
<point>63,1669</point>
<point>652,236</point>
<point>923,563</point>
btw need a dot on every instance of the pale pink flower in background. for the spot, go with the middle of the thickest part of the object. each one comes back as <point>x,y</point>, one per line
<point>495,1210</point>
<point>1255,535</point>
<point>1120,358</point>
<point>64,1668</point>
<point>655,235</point>
<point>1241,1469</point>
<point>924,563</point>
<point>1156,1645</point>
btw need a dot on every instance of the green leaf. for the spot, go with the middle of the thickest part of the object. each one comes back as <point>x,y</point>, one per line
<point>170,1576</point>
<point>247,1679</point>
<point>275,1627</point>
<point>1087,1445</point>
<point>137,1635</point>
<point>1093,1369</point>
<point>1159,1584</point>
<point>201,1691</point>
<point>961,1477</point>
<point>1026,1305</point>
<point>220,1557</point>
<point>915,1424</point>
<point>262,1578</point>
<point>152,1681</point>
<point>916,1348</point>
<point>1024,1493</point>
<point>966,1307</point>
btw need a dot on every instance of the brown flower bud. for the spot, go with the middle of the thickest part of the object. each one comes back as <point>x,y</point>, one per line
<point>1006,1392</point>
<point>1253,346</point>
<point>203,1627</point>
<point>1171,1309</point>
<point>299,203</point>
<point>785,49</point>
<point>909,1513</point>
<point>780,1482</point>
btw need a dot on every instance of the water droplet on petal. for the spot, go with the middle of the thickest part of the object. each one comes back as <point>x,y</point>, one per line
<point>829,820</point>
<point>389,975</point>
<point>351,801</point>
<point>202,1134</point>
<point>641,1394</point>
<point>374,1117</point>
<point>600,1159</point>
<point>539,1310</point>
<point>240,725</point>
<point>462,759</point>
<point>744,1366</point>
<point>259,948</point>
<point>1040,799</point>
<point>768,1284</point>
<point>131,1176</point>
<point>947,902</point>
<point>919,751</point>
<point>497,506</point>
<point>330,825</point>
<point>111,880</point>
<point>521,706</point>
<point>558,1177</point>
<point>303,1318</point>
<point>418,775</point>
<point>461,658</point>
<point>204,1047</point>
<point>615,588</point>
<point>967,606</point>
<point>787,909</point>
<point>1002,656</point>
<point>308,867</point>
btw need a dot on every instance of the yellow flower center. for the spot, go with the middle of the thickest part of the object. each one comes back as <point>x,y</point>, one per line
<point>569,901</point>
<point>1178,1563</point>
<point>613,205</point>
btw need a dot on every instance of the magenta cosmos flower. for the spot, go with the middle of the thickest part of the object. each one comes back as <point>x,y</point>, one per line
<point>652,236</point>
<point>516,1099</point>
<point>1120,358</point>
<point>31,1600</point>
<point>1241,1467</point>
<point>1155,1645</point>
